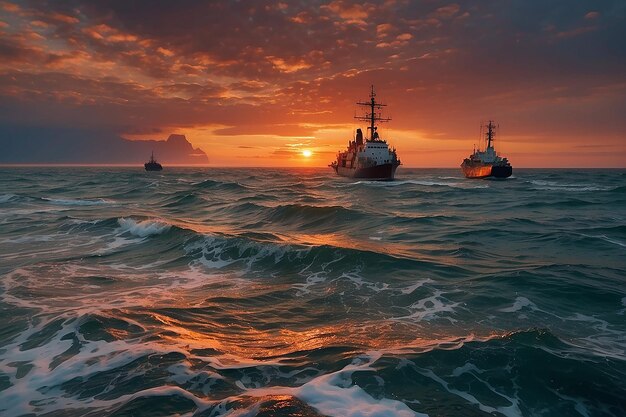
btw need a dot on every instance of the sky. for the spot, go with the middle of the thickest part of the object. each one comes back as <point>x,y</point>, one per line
<point>256,83</point>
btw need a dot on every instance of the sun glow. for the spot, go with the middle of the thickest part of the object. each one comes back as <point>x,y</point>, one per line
<point>307,153</point>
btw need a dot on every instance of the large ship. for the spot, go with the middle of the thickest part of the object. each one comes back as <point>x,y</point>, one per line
<point>370,158</point>
<point>152,164</point>
<point>487,163</point>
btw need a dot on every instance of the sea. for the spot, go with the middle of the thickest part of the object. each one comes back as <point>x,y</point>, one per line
<point>295,292</point>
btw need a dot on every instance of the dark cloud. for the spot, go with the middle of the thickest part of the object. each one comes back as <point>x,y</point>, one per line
<point>11,51</point>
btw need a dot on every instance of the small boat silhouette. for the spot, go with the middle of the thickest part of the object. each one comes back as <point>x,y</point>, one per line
<point>152,164</point>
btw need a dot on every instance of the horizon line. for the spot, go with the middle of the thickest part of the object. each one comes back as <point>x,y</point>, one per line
<point>87,165</point>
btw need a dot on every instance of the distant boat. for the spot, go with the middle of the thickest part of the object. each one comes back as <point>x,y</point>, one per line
<point>371,158</point>
<point>152,164</point>
<point>487,163</point>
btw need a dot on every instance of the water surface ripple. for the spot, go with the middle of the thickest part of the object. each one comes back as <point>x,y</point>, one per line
<point>292,292</point>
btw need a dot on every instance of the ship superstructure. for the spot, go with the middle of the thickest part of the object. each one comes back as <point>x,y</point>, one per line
<point>368,157</point>
<point>487,163</point>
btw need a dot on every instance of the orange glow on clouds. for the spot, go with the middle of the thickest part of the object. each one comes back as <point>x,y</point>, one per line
<point>256,85</point>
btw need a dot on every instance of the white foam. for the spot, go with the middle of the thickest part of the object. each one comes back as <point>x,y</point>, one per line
<point>430,308</point>
<point>311,280</point>
<point>606,239</point>
<point>30,239</point>
<point>425,183</point>
<point>465,369</point>
<point>214,250</point>
<point>5,198</point>
<point>511,410</point>
<point>315,277</point>
<point>335,395</point>
<point>25,394</point>
<point>602,339</point>
<point>411,288</point>
<point>77,202</point>
<point>520,303</point>
<point>572,187</point>
<point>143,228</point>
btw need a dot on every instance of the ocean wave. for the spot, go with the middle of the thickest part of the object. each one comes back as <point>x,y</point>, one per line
<point>472,372</point>
<point>335,394</point>
<point>313,214</point>
<point>306,294</point>
<point>403,218</point>
<point>143,228</point>
<point>430,308</point>
<point>182,201</point>
<point>605,238</point>
<point>139,227</point>
<point>77,202</point>
<point>620,189</point>
<point>564,203</point>
<point>519,304</point>
<point>219,185</point>
<point>5,198</point>
<point>261,257</point>
<point>568,187</point>
<point>298,215</point>
<point>425,183</point>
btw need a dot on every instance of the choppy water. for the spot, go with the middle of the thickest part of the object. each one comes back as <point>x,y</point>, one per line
<point>241,292</point>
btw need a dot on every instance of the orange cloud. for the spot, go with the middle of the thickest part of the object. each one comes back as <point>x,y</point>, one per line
<point>350,13</point>
<point>271,72</point>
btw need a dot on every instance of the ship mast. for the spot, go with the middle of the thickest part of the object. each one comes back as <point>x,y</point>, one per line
<point>372,116</point>
<point>491,132</point>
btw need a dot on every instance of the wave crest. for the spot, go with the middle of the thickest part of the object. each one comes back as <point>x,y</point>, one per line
<point>143,228</point>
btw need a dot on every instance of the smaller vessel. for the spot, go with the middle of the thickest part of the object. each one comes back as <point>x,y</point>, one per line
<point>487,163</point>
<point>152,164</point>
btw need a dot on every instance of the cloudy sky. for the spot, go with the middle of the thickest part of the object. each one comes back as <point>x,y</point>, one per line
<point>257,82</point>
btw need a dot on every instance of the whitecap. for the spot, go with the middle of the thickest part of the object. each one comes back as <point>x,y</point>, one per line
<point>606,239</point>
<point>414,182</point>
<point>572,187</point>
<point>430,308</point>
<point>5,198</point>
<point>520,303</point>
<point>411,288</point>
<point>143,228</point>
<point>335,395</point>
<point>77,202</point>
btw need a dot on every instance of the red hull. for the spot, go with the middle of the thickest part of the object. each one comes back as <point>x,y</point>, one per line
<point>478,171</point>
<point>484,171</point>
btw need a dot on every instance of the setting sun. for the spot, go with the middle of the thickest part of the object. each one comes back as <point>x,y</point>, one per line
<point>307,153</point>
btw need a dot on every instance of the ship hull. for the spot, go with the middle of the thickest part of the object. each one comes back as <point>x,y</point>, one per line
<point>153,167</point>
<point>486,170</point>
<point>383,172</point>
<point>501,171</point>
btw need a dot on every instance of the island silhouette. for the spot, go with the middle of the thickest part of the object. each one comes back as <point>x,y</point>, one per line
<point>69,146</point>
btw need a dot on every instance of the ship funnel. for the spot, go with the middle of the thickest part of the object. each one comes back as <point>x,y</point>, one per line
<point>359,137</point>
